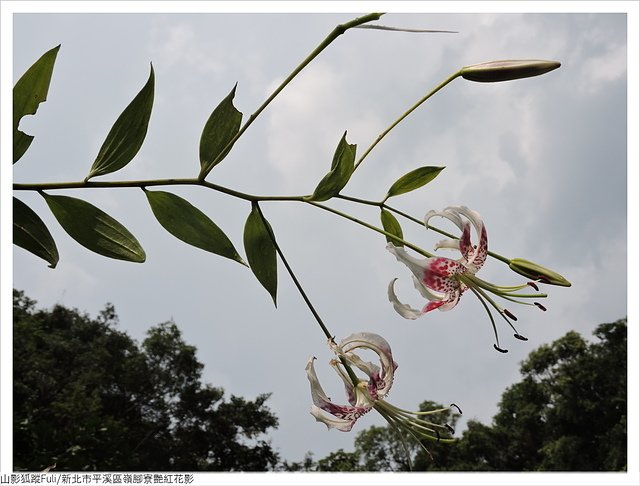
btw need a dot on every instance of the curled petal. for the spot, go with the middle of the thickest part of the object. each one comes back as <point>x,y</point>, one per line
<point>349,389</point>
<point>343,425</point>
<point>318,395</point>
<point>346,415</point>
<point>448,304</point>
<point>426,292</point>
<point>448,213</point>
<point>416,265</point>
<point>380,378</point>
<point>474,256</point>
<point>404,310</point>
<point>451,243</point>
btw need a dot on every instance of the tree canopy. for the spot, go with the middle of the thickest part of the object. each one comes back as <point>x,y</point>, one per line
<point>88,397</point>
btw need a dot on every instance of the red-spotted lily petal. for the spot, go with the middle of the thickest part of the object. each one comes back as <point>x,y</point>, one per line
<point>433,277</point>
<point>361,396</point>
<point>365,394</point>
<point>380,377</point>
<point>442,281</point>
<point>344,416</point>
<point>472,256</point>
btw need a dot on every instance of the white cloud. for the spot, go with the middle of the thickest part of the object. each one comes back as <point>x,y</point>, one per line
<point>599,72</point>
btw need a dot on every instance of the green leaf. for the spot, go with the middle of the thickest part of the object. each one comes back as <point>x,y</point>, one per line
<point>261,251</point>
<point>187,223</point>
<point>31,90</point>
<point>221,127</point>
<point>391,225</point>
<point>127,134</point>
<point>30,233</point>
<point>94,229</point>
<point>341,169</point>
<point>413,180</point>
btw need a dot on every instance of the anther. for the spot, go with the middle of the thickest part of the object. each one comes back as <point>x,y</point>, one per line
<point>456,407</point>
<point>449,428</point>
<point>540,306</point>
<point>500,349</point>
<point>532,284</point>
<point>437,436</point>
<point>520,337</point>
<point>509,315</point>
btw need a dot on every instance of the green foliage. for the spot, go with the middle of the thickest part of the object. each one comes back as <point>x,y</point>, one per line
<point>94,229</point>
<point>261,250</point>
<point>413,180</point>
<point>187,223</point>
<point>221,128</point>
<point>31,90</point>
<point>30,233</point>
<point>391,225</point>
<point>342,167</point>
<point>339,461</point>
<point>568,413</point>
<point>127,134</point>
<point>87,397</point>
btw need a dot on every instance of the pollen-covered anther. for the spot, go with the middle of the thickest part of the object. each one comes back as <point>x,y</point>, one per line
<point>532,284</point>
<point>509,315</point>
<point>540,306</point>
<point>520,337</point>
<point>500,350</point>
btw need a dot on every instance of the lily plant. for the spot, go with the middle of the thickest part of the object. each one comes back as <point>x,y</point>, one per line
<point>442,281</point>
<point>365,394</point>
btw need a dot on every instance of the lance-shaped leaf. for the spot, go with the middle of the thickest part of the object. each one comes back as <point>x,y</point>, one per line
<point>30,90</point>
<point>30,233</point>
<point>187,223</point>
<point>413,180</point>
<point>391,225</point>
<point>94,229</point>
<point>127,134</point>
<point>261,251</point>
<point>221,127</point>
<point>341,170</point>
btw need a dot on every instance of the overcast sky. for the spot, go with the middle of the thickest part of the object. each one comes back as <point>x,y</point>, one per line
<point>543,160</point>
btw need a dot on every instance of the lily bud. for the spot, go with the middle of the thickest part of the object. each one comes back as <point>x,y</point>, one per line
<point>538,272</point>
<point>495,71</point>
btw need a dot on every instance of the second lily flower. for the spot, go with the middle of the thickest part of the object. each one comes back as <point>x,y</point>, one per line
<point>364,395</point>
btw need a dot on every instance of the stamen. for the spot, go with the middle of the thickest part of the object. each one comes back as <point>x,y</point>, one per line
<point>532,284</point>
<point>456,407</point>
<point>500,349</point>
<point>510,315</point>
<point>520,337</point>
<point>540,306</point>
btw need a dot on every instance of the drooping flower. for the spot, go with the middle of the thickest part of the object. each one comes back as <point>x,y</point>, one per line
<point>437,278</point>
<point>442,281</point>
<point>368,393</point>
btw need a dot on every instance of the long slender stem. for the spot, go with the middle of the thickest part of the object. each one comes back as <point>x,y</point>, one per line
<point>293,277</point>
<point>304,296</point>
<point>333,35</point>
<point>150,183</point>
<point>371,227</point>
<point>406,114</point>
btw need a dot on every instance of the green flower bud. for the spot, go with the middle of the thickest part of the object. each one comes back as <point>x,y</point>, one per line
<point>538,272</point>
<point>495,71</point>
